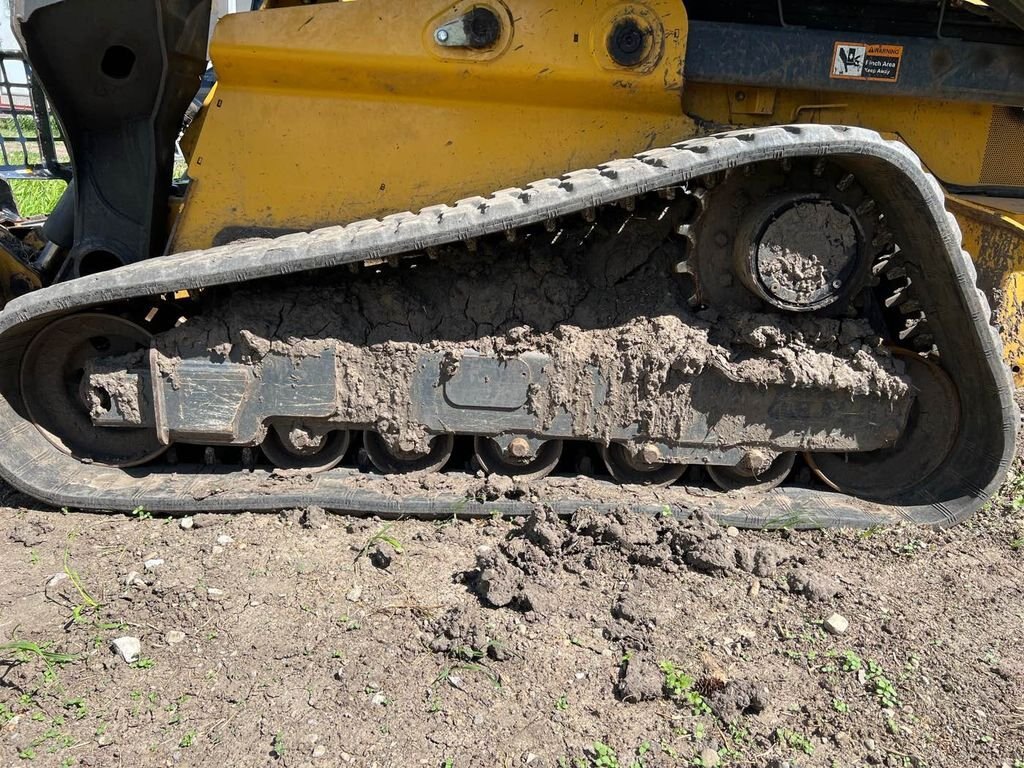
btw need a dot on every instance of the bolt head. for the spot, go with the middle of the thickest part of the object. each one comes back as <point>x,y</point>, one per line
<point>519,448</point>
<point>441,35</point>
<point>758,461</point>
<point>650,454</point>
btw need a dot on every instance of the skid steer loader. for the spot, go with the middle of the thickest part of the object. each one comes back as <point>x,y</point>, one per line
<point>436,258</point>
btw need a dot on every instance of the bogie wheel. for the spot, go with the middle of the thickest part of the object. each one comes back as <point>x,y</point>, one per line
<point>742,478</point>
<point>629,470</point>
<point>495,461</point>
<point>930,434</point>
<point>319,454</point>
<point>55,396</point>
<point>392,462</point>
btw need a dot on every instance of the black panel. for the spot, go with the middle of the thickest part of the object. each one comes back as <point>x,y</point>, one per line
<point>120,74</point>
<point>799,58</point>
<point>917,18</point>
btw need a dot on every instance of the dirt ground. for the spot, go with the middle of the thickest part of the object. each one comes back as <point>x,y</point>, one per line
<point>305,639</point>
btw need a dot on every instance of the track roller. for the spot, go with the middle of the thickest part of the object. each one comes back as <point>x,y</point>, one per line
<point>635,470</point>
<point>298,446</point>
<point>392,462</point>
<point>519,458</point>
<point>748,477</point>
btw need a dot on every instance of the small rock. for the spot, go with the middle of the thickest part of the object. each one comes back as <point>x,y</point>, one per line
<point>104,740</point>
<point>339,673</point>
<point>313,517</point>
<point>354,594</point>
<point>709,758</point>
<point>379,699</point>
<point>215,594</point>
<point>174,637</point>
<point>754,589</point>
<point>128,648</point>
<point>224,540</point>
<point>133,579</point>
<point>380,556</point>
<point>319,750</point>
<point>56,579</point>
<point>186,523</point>
<point>732,531</point>
<point>869,745</point>
<point>152,565</point>
<point>216,549</point>
<point>836,624</point>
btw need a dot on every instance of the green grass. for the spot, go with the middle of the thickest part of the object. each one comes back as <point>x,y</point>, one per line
<point>23,651</point>
<point>36,197</point>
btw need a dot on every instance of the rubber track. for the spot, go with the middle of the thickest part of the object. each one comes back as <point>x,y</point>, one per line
<point>960,315</point>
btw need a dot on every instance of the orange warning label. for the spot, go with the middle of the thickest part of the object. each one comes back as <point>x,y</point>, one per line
<point>860,61</point>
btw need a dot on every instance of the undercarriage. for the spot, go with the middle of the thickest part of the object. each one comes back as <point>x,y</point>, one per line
<point>758,323</point>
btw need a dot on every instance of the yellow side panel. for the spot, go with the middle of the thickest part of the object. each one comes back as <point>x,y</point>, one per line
<point>331,113</point>
<point>996,240</point>
<point>950,137</point>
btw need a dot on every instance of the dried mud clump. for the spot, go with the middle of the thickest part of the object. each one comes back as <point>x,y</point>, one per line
<point>640,679</point>
<point>738,698</point>
<point>454,634</point>
<point>813,586</point>
<point>515,574</point>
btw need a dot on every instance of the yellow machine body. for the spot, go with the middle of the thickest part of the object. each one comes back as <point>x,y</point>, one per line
<point>335,112</point>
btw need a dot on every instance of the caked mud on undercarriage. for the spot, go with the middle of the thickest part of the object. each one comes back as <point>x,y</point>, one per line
<point>768,311</point>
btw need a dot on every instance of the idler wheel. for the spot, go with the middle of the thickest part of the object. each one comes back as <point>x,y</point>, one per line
<point>396,462</point>
<point>54,392</point>
<point>517,459</point>
<point>635,470</point>
<point>929,436</point>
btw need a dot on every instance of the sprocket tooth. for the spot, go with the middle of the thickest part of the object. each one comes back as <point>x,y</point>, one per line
<point>845,182</point>
<point>551,225</point>
<point>911,326</point>
<point>589,215</point>
<point>819,167</point>
<point>866,207</point>
<point>687,232</point>
<point>923,342</point>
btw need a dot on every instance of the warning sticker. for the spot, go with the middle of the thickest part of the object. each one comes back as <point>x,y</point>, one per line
<point>859,61</point>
